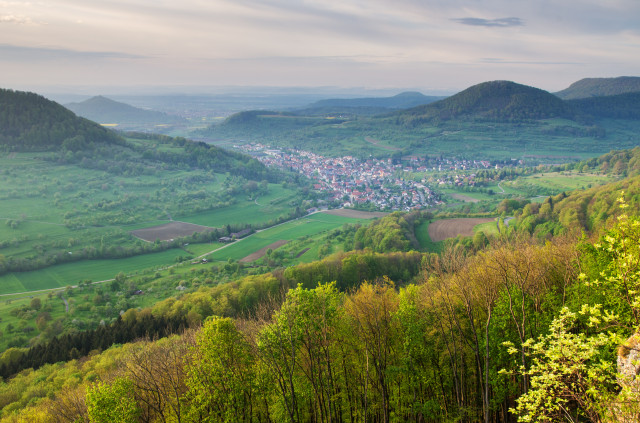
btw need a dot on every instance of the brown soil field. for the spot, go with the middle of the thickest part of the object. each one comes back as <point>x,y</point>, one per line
<point>357,214</point>
<point>262,251</point>
<point>465,198</point>
<point>169,231</point>
<point>450,228</point>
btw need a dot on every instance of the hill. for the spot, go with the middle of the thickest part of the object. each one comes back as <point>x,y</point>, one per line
<point>369,105</point>
<point>31,122</point>
<point>502,101</point>
<point>104,110</point>
<point>492,120</point>
<point>621,106</point>
<point>596,87</point>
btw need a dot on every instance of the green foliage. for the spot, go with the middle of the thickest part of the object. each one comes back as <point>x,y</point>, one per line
<point>221,378</point>
<point>112,402</point>
<point>573,374</point>
<point>391,233</point>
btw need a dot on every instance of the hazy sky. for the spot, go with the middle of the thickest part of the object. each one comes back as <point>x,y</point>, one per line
<point>423,44</point>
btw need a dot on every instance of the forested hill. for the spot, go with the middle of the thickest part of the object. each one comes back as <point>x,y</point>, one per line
<point>29,121</point>
<point>598,87</point>
<point>503,101</point>
<point>104,110</point>
<point>621,106</point>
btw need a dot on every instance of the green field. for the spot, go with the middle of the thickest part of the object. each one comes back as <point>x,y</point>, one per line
<point>489,228</point>
<point>535,187</point>
<point>422,234</point>
<point>290,231</point>
<point>259,211</point>
<point>557,182</point>
<point>62,275</point>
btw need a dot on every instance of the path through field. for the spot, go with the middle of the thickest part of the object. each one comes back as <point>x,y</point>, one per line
<point>262,251</point>
<point>465,198</point>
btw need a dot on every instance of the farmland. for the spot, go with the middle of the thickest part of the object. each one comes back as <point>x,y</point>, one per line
<point>450,228</point>
<point>55,212</point>
<point>62,275</point>
<point>303,232</point>
<point>535,186</point>
<point>169,231</point>
<point>157,275</point>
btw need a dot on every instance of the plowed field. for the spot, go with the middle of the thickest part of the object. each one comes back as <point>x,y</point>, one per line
<point>450,228</point>
<point>169,231</point>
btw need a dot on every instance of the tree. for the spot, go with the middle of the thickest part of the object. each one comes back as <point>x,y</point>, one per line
<point>571,376</point>
<point>36,303</point>
<point>157,371</point>
<point>114,402</point>
<point>221,377</point>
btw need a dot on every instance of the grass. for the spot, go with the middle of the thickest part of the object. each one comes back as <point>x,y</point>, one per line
<point>489,228</point>
<point>422,234</point>
<point>259,211</point>
<point>62,275</point>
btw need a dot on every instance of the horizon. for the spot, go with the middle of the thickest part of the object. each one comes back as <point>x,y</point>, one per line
<point>138,46</point>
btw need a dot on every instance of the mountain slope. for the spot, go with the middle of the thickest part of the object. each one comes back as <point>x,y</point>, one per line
<point>29,121</point>
<point>503,101</point>
<point>595,87</point>
<point>621,106</point>
<point>104,110</point>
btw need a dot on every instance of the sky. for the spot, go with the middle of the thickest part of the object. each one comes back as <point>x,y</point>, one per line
<point>429,45</point>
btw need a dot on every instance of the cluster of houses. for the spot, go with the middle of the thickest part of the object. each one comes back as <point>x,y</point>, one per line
<point>385,184</point>
<point>350,181</point>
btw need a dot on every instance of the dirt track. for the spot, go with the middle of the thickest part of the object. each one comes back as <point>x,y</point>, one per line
<point>377,144</point>
<point>465,198</point>
<point>357,214</point>
<point>262,251</point>
<point>450,228</point>
<point>169,231</point>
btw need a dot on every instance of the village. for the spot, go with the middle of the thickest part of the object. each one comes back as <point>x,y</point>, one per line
<point>380,184</point>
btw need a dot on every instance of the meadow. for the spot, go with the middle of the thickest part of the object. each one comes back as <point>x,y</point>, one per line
<point>52,213</point>
<point>535,187</point>
<point>68,274</point>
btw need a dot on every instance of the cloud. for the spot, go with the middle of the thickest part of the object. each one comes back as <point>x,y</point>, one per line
<point>498,61</point>
<point>10,52</point>
<point>12,19</point>
<point>500,22</point>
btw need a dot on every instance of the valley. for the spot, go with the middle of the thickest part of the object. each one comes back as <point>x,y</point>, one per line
<point>410,210</point>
